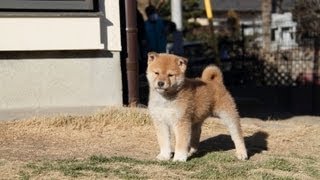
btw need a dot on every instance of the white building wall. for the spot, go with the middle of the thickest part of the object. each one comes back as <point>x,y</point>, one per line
<point>50,33</point>
<point>61,82</point>
<point>111,23</point>
<point>34,83</point>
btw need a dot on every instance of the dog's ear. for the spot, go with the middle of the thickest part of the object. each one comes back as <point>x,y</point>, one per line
<point>152,56</point>
<point>182,62</point>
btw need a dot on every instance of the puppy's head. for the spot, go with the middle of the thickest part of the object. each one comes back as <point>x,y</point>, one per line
<point>165,72</point>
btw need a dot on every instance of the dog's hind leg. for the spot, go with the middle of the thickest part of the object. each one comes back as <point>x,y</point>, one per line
<point>195,138</point>
<point>232,121</point>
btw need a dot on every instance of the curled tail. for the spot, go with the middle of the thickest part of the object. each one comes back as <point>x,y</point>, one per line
<point>212,74</point>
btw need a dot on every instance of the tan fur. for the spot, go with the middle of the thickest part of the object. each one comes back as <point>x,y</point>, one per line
<point>180,104</point>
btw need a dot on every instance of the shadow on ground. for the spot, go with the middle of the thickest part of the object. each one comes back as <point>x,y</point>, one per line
<point>255,144</point>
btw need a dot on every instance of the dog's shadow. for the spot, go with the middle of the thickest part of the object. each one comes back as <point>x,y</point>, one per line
<point>255,144</point>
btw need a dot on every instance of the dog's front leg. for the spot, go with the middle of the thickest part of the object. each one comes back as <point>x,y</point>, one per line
<point>182,131</point>
<point>163,136</point>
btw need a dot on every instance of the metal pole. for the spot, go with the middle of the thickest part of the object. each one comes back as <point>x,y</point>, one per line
<point>131,61</point>
<point>208,7</point>
<point>266,23</point>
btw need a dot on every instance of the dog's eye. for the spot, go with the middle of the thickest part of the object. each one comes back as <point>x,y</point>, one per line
<point>170,75</point>
<point>157,73</point>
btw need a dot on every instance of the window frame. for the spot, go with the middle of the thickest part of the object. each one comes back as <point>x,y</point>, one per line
<point>49,5</point>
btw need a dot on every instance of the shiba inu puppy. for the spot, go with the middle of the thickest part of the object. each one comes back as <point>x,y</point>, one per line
<point>180,104</point>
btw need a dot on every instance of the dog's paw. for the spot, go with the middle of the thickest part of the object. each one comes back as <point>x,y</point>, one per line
<point>192,151</point>
<point>182,157</point>
<point>164,157</point>
<point>242,155</point>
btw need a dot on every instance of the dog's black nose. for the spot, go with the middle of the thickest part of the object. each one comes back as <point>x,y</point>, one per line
<point>160,83</point>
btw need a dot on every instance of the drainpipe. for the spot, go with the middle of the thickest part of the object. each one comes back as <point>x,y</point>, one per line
<point>131,61</point>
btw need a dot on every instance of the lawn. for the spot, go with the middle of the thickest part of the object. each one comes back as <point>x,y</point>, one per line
<point>119,143</point>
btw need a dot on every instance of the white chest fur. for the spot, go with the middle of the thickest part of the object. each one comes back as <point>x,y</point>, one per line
<point>164,110</point>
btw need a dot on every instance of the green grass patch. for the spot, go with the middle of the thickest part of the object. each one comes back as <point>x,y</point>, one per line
<point>312,168</point>
<point>280,164</point>
<point>270,176</point>
<point>216,165</point>
<point>23,175</point>
<point>2,163</point>
<point>98,165</point>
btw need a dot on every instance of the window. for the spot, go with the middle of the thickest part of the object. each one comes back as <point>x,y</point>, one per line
<point>285,35</point>
<point>49,5</point>
<point>273,34</point>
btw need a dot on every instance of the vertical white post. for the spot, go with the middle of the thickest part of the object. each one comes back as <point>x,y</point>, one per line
<point>176,17</point>
<point>176,13</point>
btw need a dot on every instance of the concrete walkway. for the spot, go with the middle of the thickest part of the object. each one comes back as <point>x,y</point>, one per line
<point>16,114</point>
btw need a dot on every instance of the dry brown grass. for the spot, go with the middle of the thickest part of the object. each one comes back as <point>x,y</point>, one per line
<point>115,116</point>
<point>73,136</point>
<point>275,146</point>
